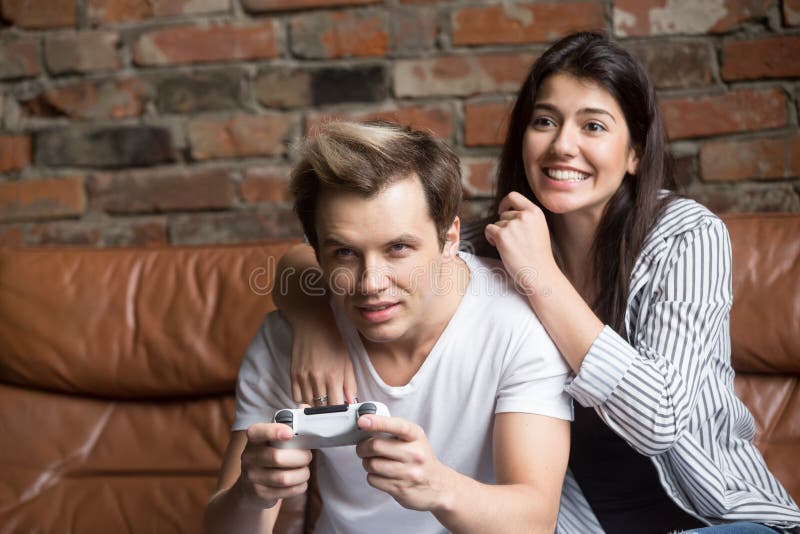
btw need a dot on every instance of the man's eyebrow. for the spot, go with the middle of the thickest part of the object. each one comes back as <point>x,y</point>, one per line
<point>583,111</point>
<point>405,238</point>
<point>335,241</point>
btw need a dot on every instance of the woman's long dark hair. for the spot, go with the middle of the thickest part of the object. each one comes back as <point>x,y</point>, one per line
<point>636,206</point>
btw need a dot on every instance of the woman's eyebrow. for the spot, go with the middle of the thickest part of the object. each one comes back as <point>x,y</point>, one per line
<point>583,111</point>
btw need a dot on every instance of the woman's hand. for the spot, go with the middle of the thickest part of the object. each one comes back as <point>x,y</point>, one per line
<point>321,366</point>
<point>321,370</point>
<point>522,238</point>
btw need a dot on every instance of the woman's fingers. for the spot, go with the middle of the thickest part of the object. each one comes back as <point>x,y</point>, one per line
<point>514,201</point>
<point>334,389</point>
<point>350,386</point>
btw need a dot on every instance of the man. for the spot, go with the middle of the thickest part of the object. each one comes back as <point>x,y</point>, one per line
<point>472,381</point>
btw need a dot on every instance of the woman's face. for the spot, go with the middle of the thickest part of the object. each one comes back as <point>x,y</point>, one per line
<point>576,149</point>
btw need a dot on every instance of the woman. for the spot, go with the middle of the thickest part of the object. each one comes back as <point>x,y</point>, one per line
<point>633,285</point>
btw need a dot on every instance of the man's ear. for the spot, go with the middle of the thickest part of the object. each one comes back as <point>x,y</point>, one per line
<point>452,239</point>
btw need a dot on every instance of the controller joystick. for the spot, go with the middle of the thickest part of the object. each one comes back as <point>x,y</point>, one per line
<point>284,416</point>
<point>367,408</point>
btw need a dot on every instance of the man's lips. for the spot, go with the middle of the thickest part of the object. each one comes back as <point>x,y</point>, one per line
<point>378,312</point>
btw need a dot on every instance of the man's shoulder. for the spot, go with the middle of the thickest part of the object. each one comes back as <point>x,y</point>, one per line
<point>495,291</point>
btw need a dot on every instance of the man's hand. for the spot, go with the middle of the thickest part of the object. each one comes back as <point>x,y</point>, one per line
<point>406,467</point>
<point>269,474</point>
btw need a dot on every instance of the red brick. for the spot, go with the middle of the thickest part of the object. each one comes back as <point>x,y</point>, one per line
<point>736,111</point>
<point>82,52</point>
<point>266,184</point>
<point>261,135</point>
<point>728,161</point>
<point>524,23</point>
<point>770,57</point>
<point>685,170</point>
<point>140,192</point>
<point>676,64</point>
<point>478,176</point>
<point>15,152</point>
<point>113,11</point>
<point>19,58</point>
<point>412,30</point>
<point>12,236</point>
<point>42,199</point>
<point>485,123</point>
<point>794,156</point>
<point>461,75</point>
<point>107,99</point>
<point>660,17</point>
<point>195,44</point>
<point>38,14</point>
<point>339,34</point>
<point>437,119</point>
<point>284,87</point>
<point>286,5</point>
<point>105,233</point>
<point>791,12</point>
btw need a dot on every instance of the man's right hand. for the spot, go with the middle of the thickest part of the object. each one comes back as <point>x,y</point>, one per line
<point>269,474</point>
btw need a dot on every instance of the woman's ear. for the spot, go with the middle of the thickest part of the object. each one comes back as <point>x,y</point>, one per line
<point>633,161</point>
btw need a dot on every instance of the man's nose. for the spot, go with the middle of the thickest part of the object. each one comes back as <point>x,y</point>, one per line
<point>374,277</point>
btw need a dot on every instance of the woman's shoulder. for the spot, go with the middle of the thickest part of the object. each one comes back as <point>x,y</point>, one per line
<point>684,215</point>
<point>681,219</point>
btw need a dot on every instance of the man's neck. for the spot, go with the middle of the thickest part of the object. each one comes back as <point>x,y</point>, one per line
<point>398,361</point>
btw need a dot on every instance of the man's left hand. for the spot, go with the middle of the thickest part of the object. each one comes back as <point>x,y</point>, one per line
<point>404,467</point>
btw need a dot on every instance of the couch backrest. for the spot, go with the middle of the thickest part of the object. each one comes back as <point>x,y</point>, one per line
<point>117,369</point>
<point>765,334</point>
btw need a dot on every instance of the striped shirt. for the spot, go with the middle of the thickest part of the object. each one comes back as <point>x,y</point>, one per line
<point>667,387</point>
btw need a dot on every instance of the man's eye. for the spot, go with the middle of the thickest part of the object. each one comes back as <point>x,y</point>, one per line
<point>399,247</point>
<point>343,253</point>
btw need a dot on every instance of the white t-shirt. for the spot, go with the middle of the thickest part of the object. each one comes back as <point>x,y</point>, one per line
<point>494,356</point>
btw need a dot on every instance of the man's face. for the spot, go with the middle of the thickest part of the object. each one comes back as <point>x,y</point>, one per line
<point>382,259</point>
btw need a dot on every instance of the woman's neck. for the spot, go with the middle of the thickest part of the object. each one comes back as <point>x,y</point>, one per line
<point>574,238</point>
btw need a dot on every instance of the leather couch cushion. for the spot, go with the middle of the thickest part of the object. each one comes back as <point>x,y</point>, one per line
<point>774,402</point>
<point>766,288</point>
<point>132,323</point>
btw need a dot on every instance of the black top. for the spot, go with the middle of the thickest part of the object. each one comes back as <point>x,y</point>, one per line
<point>621,485</point>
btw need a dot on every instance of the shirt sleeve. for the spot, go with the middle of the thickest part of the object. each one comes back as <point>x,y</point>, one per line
<point>263,386</point>
<point>645,391</point>
<point>534,376</point>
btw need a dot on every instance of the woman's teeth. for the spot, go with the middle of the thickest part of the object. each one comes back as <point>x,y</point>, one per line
<point>566,176</point>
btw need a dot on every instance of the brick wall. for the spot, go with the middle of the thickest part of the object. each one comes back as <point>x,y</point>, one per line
<point>146,122</point>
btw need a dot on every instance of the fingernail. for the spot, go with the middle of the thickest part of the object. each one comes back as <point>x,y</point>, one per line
<point>367,421</point>
<point>284,433</point>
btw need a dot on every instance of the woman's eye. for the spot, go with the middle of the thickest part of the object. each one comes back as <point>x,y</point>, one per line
<point>595,127</point>
<point>543,122</point>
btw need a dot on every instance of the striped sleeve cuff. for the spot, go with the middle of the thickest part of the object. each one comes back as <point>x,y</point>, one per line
<point>607,361</point>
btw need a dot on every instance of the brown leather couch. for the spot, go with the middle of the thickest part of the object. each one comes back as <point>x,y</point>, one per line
<point>117,369</point>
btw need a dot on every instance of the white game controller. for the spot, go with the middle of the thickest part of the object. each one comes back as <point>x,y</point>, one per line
<point>327,426</point>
